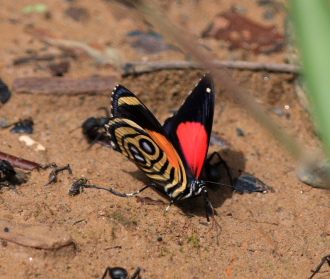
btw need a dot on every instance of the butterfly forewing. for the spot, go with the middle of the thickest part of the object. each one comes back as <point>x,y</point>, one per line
<point>137,134</point>
<point>124,104</point>
<point>190,127</point>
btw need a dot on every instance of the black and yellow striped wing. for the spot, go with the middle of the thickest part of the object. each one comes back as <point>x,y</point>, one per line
<point>136,133</point>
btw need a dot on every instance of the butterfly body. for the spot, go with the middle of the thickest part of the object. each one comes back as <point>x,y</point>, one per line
<point>172,155</point>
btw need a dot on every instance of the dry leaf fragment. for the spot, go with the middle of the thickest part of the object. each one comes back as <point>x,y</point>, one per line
<point>36,236</point>
<point>64,85</point>
<point>242,32</point>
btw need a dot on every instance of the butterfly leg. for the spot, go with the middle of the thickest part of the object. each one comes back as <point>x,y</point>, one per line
<point>169,206</point>
<point>209,209</point>
<point>212,170</point>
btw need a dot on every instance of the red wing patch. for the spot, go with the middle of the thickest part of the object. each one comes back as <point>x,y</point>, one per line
<point>194,144</point>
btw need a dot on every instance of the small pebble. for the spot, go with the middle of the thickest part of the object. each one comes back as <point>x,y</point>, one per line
<point>279,111</point>
<point>240,132</point>
<point>5,93</point>
<point>268,15</point>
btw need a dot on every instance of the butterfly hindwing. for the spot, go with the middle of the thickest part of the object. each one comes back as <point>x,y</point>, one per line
<point>190,127</point>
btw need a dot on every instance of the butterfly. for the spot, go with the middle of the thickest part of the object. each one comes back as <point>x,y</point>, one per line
<point>173,155</point>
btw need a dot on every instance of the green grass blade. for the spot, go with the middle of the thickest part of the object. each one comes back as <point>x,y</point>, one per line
<point>312,23</point>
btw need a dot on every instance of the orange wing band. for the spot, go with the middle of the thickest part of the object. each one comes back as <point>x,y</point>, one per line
<point>167,147</point>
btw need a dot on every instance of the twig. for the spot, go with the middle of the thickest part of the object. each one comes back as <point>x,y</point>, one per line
<point>19,162</point>
<point>76,48</point>
<point>146,67</point>
<point>45,57</point>
<point>29,165</point>
<point>64,85</point>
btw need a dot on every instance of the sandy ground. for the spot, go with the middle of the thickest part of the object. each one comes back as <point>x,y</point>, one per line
<point>275,235</point>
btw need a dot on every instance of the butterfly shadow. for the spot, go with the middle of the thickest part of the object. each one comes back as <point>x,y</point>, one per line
<point>227,171</point>
<point>222,171</point>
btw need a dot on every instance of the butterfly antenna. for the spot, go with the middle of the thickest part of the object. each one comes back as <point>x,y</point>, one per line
<point>115,192</point>
<point>246,185</point>
<point>219,183</point>
<point>209,209</point>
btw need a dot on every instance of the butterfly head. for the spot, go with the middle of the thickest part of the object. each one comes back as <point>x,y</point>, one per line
<point>194,187</point>
<point>198,187</point>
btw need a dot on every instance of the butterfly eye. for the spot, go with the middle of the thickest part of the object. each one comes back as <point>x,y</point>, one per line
<point>147,146</point>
